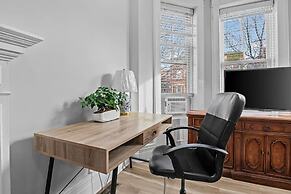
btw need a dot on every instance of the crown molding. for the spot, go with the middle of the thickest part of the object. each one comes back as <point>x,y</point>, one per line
<point>13,42</point>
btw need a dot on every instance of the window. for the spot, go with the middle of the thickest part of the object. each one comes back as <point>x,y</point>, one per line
<point>248,36</point>
<point>176,49</point>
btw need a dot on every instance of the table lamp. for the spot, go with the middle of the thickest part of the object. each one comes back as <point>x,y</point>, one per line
<point>124,81</point>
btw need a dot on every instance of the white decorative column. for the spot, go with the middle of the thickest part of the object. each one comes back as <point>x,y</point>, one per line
<point>12,44</point>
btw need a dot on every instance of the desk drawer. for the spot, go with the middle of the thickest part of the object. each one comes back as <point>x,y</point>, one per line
<point>149,135</point>
<point>154,132</point>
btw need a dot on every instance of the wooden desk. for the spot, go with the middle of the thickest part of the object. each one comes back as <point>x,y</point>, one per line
<point>100,146</point>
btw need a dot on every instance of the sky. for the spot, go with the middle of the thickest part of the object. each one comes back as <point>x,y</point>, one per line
<point>235,33</point>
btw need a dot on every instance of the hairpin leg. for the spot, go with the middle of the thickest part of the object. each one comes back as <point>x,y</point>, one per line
<point>130,162</point>
<point>114,181</point>
<point>49,175</point>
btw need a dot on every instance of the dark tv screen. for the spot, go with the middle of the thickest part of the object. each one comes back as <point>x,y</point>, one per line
<point>263,88</point>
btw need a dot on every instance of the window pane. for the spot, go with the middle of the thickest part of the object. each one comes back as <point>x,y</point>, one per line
<point>176,39</point>
<point>176,50</point>
<point>170,54</point>
<point>245,40</point>
<point>174,78</point>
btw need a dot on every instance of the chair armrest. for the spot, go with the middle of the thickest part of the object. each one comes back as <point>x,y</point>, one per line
<point>170,137</point>
<point>176,162</point>
<point>178,128</point>
<point>195,145</point>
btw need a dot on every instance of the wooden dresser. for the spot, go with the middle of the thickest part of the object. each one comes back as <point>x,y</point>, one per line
<point>259,148</point>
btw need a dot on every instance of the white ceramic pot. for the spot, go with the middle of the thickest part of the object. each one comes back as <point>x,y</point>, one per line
<point>106,116</point>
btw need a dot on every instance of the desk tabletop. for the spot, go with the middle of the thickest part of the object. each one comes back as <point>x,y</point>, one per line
<point>106,135</point>
<point>101,146</point>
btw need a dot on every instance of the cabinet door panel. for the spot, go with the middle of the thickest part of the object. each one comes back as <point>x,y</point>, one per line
<point>253,153</point>
<point>278,156</point>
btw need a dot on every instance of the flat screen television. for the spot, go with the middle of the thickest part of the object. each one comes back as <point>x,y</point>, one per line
<point>263,88</point>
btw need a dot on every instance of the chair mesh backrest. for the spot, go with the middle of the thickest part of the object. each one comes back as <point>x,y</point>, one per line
<point>216,128</point>
<point>220,119</point>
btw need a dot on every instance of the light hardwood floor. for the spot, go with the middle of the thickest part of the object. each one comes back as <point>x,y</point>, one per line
<point>138,180</point>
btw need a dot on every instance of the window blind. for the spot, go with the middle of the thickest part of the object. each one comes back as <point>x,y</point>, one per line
<point>176,47</point>
<point>264,6</point>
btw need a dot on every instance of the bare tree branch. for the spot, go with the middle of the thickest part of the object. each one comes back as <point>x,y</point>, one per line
<point>249,52</point>
<point>231,45</point>
<point>260,36</point>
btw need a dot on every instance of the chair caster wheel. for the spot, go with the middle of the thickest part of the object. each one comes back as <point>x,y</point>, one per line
<point>183,192</point>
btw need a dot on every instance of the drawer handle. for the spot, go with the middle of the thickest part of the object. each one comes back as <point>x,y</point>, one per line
<point>154,132</point>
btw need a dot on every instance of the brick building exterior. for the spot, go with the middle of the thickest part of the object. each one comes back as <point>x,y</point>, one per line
<point>174,78</point>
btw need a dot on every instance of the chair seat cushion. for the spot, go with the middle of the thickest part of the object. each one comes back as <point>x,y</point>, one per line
<point>162,164</point>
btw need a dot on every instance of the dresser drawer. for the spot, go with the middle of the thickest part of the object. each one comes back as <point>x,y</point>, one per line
<point>197,123</point>
<point>267,126</point>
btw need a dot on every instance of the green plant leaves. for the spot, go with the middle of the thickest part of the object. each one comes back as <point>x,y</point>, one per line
<point>104,99</point>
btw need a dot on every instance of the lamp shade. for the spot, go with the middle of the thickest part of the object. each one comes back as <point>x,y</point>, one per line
<point>124,81</point>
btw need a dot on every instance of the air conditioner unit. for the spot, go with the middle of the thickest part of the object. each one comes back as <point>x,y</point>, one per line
<point>175,105</point>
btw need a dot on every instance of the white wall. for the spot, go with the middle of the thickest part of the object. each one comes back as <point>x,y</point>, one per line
<point>283,32</point>
<point>4,143</point>
<point>143,51</point>
<point>85,42</point>
<point>207,60</point>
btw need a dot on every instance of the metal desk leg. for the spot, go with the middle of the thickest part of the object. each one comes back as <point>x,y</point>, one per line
<point>114,181</point>
<point>49,175</point>
<point>130,162</point>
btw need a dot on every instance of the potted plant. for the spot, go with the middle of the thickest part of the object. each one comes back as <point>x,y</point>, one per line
<point>105,103</point>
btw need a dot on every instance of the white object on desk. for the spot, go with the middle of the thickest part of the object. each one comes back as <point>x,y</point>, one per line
<point>106,116</point>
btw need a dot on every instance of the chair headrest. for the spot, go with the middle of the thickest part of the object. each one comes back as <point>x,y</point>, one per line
<point>227,106</point>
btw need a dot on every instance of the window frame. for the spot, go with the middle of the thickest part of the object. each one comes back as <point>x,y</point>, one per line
<point>270,60</point>
<point>192,69</point>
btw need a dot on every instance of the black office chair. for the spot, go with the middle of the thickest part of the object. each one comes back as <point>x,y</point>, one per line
<point>202,161</point>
